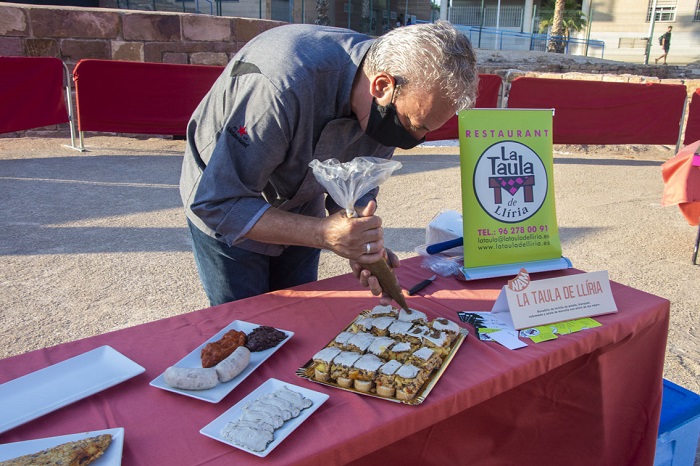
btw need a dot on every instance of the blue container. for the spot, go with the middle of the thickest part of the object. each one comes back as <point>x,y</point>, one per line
<point>679,427</point>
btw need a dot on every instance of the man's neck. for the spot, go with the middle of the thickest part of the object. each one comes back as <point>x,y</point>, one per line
<point>360,97</point>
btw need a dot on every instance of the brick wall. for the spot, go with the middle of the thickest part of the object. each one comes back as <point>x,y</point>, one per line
<point>72,33</point>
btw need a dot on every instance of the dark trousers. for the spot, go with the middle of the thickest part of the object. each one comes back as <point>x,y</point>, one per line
<point>229,273</point>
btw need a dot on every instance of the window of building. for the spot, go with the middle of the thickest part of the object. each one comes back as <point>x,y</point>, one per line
<point>665,10</point>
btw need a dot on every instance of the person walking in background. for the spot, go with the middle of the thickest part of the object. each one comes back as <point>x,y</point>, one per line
<point>665,41</point>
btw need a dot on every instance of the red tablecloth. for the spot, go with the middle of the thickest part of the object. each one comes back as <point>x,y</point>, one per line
<point>593,397</point>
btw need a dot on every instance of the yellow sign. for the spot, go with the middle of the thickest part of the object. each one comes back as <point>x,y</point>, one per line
<point>508,191</point>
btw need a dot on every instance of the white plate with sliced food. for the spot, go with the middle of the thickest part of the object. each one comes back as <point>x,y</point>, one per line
<point>214,428</point>
<point>220,390</point>
<point>111,457</point>
<point>41,392</point>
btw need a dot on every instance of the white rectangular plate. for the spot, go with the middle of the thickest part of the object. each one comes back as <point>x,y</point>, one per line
<point>112,456</point>
<point>213,429</point>
<point>194,359</point>
<point>46,390</point>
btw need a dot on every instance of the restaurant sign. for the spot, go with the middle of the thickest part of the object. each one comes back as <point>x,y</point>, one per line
<point>508,192</point>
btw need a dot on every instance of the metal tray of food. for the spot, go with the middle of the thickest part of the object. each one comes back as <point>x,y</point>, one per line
<point>307,370</point>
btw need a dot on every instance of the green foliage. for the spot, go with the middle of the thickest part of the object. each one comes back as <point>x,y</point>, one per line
<point>574,19</point>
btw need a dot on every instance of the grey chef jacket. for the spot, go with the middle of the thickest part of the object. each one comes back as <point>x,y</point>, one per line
<point>282,101</point>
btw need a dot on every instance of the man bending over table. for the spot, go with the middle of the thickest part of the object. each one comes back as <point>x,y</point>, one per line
<point>294,94</point>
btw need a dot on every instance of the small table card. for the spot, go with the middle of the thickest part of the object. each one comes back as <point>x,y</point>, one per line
<point>541,302</point>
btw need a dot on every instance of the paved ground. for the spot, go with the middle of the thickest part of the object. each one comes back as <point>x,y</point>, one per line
<point>96,241</point>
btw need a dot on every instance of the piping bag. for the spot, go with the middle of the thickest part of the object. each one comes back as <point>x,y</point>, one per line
<point>346,183</point>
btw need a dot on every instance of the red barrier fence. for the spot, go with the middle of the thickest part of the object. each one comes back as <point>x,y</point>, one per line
<point>489,91</point>
<point>597,112</point>
<point>692,125</point>
<point>31,93</point>
<point>156,98</point>
<point>135,97</point>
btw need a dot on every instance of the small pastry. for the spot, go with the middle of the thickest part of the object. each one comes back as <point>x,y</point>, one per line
<point>382,311</point>
<point>363,324</point>
<point>341,341</point>
<point>400,351</point>
<point>385,378</point>
<point>380,347</point>
<point>399,329</point>
<point>447,326</point>
<point>360,342</point>
<point>415,335</point>
<point>437,340</point>
<point>322,363</point>
<point>425,358</point>
<point>408,379</point>
<point>380,325</point>
<point>340,368</point>
<point>364,371</point>
<point>412,315</point>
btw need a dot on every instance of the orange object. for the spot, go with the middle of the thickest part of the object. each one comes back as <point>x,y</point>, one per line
<point>682,183</point>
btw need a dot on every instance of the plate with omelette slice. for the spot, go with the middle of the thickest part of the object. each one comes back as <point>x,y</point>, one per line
<point>96,448</point>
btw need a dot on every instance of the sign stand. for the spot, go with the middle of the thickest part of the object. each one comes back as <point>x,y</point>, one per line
<point>503,270</point>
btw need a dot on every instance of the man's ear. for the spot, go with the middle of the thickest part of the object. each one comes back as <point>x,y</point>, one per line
<point>382,87</point>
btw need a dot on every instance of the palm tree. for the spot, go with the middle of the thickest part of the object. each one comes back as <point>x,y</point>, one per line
<point>563,19</point>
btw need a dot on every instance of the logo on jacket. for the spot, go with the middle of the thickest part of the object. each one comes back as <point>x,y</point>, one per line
<point>240,134</point>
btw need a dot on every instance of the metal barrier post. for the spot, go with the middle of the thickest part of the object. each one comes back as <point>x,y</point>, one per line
<point>681,125</point>
<point>69,103</point>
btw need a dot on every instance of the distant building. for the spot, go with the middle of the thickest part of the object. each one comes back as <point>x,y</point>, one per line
<point>624,26</point>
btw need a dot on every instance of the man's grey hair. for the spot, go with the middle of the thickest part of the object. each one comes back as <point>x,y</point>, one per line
<point>423,56</point>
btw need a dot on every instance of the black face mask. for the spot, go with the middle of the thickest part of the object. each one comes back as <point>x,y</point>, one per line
<point>385,127</point>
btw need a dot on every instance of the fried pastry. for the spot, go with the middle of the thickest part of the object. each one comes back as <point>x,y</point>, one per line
<point>215,352</point>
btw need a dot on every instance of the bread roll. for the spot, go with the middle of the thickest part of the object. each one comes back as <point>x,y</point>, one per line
<point>344,382</point>
<point>191,378</point>
<point>386,391</point>
<point>320,375</point>
<point>404,395</point>
<point>364,386</point>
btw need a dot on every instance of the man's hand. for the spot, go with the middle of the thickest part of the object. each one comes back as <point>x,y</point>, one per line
<point>365,277</point>
<point>360,239</point>
<point>368,280</point>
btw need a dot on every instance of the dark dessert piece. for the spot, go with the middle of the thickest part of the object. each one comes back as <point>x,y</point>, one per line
<point>264,337</point>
